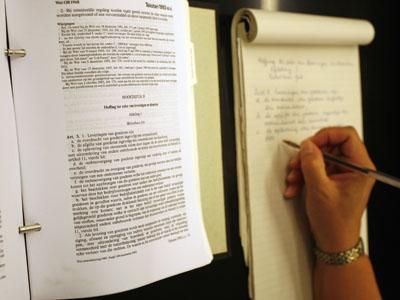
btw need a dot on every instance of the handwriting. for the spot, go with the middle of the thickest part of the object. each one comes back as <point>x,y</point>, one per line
<point>283,110</point>
<point>293,69</point>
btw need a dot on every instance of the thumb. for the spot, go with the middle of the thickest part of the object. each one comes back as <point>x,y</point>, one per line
<point>312,164</point>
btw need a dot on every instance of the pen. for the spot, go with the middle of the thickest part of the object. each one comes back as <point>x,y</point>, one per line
<point>380,176</point>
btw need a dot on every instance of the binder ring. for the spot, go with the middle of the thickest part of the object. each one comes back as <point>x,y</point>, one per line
<point>15,52</point>
<point>29,228</point>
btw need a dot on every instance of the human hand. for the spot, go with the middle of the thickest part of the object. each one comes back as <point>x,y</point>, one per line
<point>335,198</point>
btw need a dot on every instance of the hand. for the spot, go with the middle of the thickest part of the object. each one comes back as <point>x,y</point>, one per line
<point>335,197</point>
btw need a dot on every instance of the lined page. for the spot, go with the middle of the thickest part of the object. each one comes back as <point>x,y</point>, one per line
<point>290,93</point>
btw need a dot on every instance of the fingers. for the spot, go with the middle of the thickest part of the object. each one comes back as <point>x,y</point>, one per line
<point>294,163</point>
<point>347,140</point>
<point>313,165</point>
<point>334,136</point>
<point>309,167</point>
<point>292,191</point>
<point>294,179</point>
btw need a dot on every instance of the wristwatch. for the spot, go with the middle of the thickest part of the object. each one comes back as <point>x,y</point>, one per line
<point>341,258</point>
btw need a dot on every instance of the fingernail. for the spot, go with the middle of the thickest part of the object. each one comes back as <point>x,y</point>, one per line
<point>286,193</point>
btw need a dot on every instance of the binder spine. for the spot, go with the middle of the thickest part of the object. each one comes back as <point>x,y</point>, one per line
<point>33,227</point>
<point>15,52</point>
<point>29,228</point>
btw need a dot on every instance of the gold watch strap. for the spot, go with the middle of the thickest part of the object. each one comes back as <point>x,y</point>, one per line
<point>341,258</point>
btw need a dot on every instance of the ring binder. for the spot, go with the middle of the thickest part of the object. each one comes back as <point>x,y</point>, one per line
<point>29,228</point>
<point>15,52</point>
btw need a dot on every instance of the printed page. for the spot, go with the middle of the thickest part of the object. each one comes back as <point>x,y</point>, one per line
<point>105,117</point>
<point>290,92</point>
<point>13,268</point>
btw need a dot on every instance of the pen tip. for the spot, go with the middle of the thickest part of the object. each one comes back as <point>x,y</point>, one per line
<point>290,143</point>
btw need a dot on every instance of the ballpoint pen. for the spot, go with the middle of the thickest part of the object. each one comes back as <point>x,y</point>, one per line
<point>380,176</point>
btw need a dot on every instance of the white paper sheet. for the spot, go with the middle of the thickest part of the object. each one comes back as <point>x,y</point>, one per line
<point>107,144</point>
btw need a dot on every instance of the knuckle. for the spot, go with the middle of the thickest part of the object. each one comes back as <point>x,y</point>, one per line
<point>323,131</point>
<point>352,131</point>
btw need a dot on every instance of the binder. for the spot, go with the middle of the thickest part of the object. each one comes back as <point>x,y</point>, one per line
<point>149,202</point>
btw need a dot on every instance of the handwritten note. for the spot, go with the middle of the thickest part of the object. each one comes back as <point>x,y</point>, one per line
<point>290,93</point>
<point>293,69</point>
<point>284,111</point>
<point>295,94</point>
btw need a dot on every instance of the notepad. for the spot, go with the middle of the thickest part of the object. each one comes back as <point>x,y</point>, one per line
<point>293,74</point>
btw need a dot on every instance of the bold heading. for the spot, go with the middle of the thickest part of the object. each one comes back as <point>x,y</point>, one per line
<point>158,6</point>
<point>67,2</point>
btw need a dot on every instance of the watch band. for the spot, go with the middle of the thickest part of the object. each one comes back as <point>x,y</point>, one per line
<point>341,258</point>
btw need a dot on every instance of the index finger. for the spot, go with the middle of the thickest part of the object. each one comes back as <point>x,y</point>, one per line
<point>347,140</point>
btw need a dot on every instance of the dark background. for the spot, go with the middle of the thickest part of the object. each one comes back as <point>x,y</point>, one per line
<point>226,277</point>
